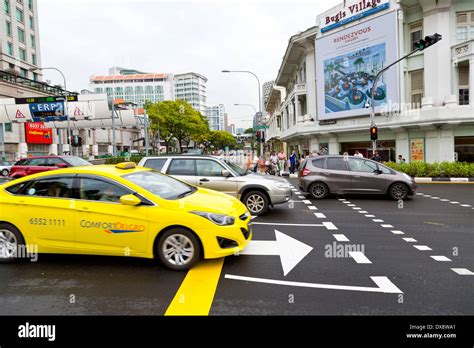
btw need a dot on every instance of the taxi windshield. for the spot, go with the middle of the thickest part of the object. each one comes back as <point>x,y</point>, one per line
<point>160,185</point>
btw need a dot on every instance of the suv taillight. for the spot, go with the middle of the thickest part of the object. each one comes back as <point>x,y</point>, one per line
<point>305,172</point>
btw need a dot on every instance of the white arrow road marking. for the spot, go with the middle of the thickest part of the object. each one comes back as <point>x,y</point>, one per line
<point>384,284</point>
<point>462,271</point>
<point>290,250</point>
<point>359,257</point>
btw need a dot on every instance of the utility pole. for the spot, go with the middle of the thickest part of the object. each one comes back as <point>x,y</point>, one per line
<point>145,115</point>
<point>114,152</point>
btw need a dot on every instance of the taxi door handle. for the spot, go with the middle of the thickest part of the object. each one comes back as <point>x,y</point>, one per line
<point>203,180</point>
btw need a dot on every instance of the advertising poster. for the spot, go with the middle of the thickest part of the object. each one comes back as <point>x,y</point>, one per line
<point>346,65</point>
<point>417,149</point>
<point>37,133</point>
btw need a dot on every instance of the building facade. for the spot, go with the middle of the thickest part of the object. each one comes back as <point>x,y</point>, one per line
<point>215,117</point>
<point>134,86</point>
<point>19,39</point>
<point>424,105</point>
<point>191,87</point>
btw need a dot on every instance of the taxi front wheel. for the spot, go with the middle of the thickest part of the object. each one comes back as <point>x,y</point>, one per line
<point>179,249</point>
<point>10,242</point>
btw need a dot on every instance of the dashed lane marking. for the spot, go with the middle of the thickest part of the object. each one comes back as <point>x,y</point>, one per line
<point>329,225</point>
<point>462,271</point>
<point>196,293</point>
<point>369,215</point>
<point>377,220</point>
<point>356,208</point>
<point>410,240</point>
<point>312,207</point>
<point>422,247</point>
<point>363,211</point>
<point>320,215</point>
<point>397,232</point>
<point>306,201</point>
<point>340,237</point>
<point>386,226</point>
<point>351,205</point>
<point>359,257</point>
<point>301,197</point>
<point>440,258</point>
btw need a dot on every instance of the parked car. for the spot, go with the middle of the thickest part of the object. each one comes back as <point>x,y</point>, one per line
<point>324,175</point>
<point>117,208</point>
<point>4,179</point>
<point>33,165</point>
<point>5,168</point>
<point>256,191</point>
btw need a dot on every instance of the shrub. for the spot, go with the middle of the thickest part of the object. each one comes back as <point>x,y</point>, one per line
<point>443,169</point>
<point>119,159</point>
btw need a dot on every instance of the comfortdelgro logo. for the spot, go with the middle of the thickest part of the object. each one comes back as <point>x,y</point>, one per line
<point>113,227</point>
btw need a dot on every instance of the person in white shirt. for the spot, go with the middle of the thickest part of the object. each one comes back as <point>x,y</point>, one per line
<point>358,154</point>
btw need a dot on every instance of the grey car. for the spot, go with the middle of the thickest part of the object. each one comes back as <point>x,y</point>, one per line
<point>324,175</point>
<point>256,191</point>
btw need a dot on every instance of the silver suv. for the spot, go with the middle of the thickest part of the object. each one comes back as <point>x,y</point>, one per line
<point>256,191</point>
<point>323,175</point>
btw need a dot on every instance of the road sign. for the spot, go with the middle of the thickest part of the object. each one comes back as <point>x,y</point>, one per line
<point>262,127</point>
<point>48,111</point>
<point>78,112</point>
<point>19,114</point>
<point>37,100</point>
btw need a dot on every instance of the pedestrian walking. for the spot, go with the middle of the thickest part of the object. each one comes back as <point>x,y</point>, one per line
<point>376,157</point>
<point>281,162</point>
<point>255,163</point>
<point>401,159</point>
<point>358,154</point>
<point>292,162</point>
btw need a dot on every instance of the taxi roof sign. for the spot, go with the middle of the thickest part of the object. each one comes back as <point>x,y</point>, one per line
<point>126,165</point>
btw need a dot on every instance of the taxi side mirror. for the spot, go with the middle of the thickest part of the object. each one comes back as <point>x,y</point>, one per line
<point>130,200</point>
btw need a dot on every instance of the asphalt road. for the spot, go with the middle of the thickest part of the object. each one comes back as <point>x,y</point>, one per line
<point>337,261</point>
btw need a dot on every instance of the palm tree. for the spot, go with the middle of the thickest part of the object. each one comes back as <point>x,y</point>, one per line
<point>358,63</point>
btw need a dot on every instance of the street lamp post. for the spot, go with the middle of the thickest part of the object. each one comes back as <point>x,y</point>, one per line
<point>65,105</point>
<point>259,97</point>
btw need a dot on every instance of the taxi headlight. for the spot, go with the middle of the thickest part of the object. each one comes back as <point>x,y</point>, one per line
<point>218,219</point>
<point>282,185</point>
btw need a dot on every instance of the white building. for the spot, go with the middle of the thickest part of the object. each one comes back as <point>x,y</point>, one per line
<point>191,87</point>
<point>215,116</point>
<point>424,110</point>
<point>19,38</point>
<point>134,86</point>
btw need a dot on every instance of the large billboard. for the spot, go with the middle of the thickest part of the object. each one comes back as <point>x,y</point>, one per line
<point>37,133</point>
<point>346,65</point>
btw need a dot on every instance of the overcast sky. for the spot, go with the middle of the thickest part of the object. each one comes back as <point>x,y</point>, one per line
<point>86,37</point>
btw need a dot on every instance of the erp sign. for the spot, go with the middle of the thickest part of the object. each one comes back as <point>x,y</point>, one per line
<point>48,111</point>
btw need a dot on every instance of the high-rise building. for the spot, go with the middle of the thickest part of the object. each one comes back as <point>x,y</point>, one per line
<point>19,38</point>
<point>191,87</point>
<point>266,89</point>
<point>134,86</point>
<point>215,116</point>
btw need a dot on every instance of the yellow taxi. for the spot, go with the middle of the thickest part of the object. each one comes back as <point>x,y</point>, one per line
<point>119,210</point>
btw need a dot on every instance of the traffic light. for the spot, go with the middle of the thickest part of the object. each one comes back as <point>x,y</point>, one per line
<point>373,133</point>
<point>428,41</point>
<point>76,141</point>
<point>258,135</point>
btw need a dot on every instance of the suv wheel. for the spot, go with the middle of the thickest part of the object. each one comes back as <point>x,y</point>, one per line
<point>178,249</point>
<point>256,202</point>
<point>318,190</point>
<point>398,191</point>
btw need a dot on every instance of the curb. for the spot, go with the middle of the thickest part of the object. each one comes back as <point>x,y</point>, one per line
<point>437,179</point>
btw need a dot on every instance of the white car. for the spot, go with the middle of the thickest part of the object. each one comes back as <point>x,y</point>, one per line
<point>5,168</point>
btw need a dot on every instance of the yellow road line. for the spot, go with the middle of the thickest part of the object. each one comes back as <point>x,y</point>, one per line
<point>195,295</point>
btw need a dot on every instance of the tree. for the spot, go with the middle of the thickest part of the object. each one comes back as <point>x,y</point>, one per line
<point>221,139</point>
<point>176,120</point>
<point>249,131</point>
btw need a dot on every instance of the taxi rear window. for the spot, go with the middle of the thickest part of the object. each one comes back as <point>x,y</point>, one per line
<point>18,188</point>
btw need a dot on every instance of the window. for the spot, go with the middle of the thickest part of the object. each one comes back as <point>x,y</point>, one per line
<point>35,76</point>
<point>416,34</point>
<point>32,23</point>
<point>33,41</point>
<point>18,189</point>
<point>8,127</point>
<point>208,168</point>
<point>24,73</point>
<point>318,163</point>
<point>10,48</point>
<point>33,59</point>
<point>155,163</point>
<point>7,6</point>
<point>8,28</point>
<point>36,162</point>
<point>54,161</point>
<point>57,187</point>
<point>30,4</point>
<point>336,163</point>
<point>463,73</point>
<point>19,15</point>
<point>360,165</point>
<point>99,190</point>
<point>182,167</point>
<point>21,35</point>
<point>22,54</point>
<point>465,26</point>
<point>417,88</point>
<point>160,185</point>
